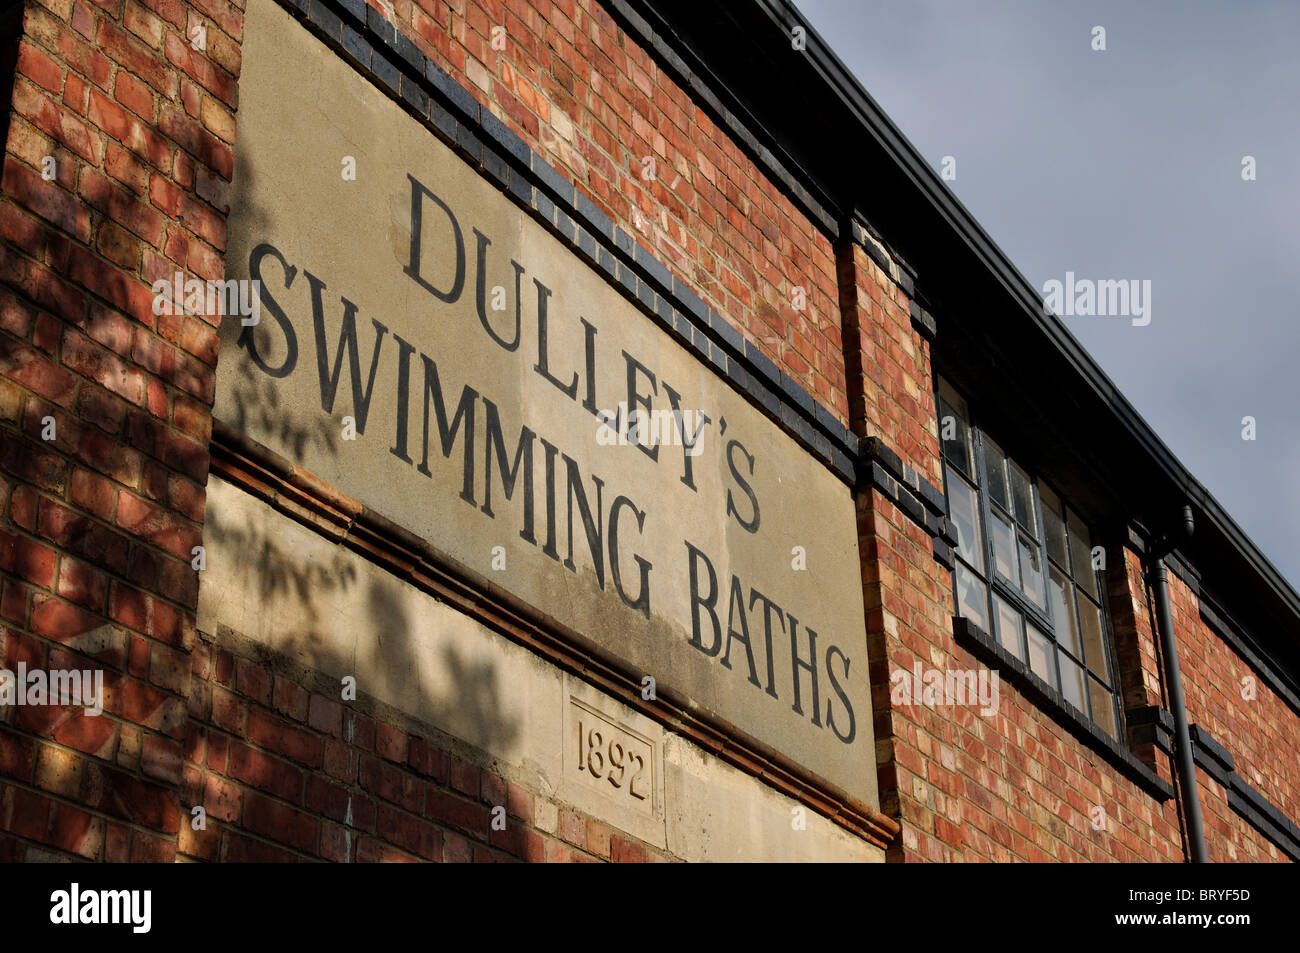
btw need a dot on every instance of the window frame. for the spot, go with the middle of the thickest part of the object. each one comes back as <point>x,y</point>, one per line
<point>995,583</point>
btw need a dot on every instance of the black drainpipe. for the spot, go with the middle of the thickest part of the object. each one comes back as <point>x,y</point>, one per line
<point>1158,579</point>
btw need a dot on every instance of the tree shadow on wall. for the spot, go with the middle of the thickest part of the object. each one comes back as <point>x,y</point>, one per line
<point>254,405</point>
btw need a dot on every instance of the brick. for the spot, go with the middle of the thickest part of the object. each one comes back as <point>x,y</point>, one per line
<point>161,758</point>
<point>290,699</point>
<point>199,68</point>
<point>280,822</point>
<point>13,601</point>
<point>137,664</point>
<point>226,14</point>
<point>134,95</point>
<point>557,853</point>
<point>114,792</point>
<point>47,199</point>
<point>118,287</point>
<point>265,772</point>
<point>127,169</point>
<point>213,189</point>
<point>75,831</point>
<point>37,373</point>
<point>145,706</point>
<point>359,730</point>
<point>624,851</point>
<point>104,643</point>
<point>427,759</point>
<point>127,50</point>
<point>17,755</point>
<point>28,558</point>
<point>598,838</point>
<point>26,461</point>
<point>101,409</point>
<point>82,583</point>
<point>123,208</point>
<point>16,317</point>
<point>218,119</point>
<point>241,849</point>
<point>24,813</point>
<point>170,669</point>
<point>279,736</point>
<point>22,507</point>
<point>391,783</point>
<point>409,832</point>
<point>340,761</point>
<point>455,849</point>
<point>454,811</point>
<point>371,851</point>
<point>253,680</point>
<point>390,743</point>
<point>519,803</point>
<point>492,789</point>
<point>573,828</point>
<point>197,216</point>
<point>60,620</point>
<point>91,734</point>
<point>201,144</point>
<point>41,69</point>
<point>464,776</point>
<point>76,94</point>
<point>199,844</point>
<point>159,526</point>
<point>324,797</point>
<point>172,11</point>
<point>41,286</point>
<point>143,24</point>
<point>191,98</point>
<point>56,121</point>
<point>534,848</point>
<point>325,715</point>
<point>72,49</point>
<point>178,581</point>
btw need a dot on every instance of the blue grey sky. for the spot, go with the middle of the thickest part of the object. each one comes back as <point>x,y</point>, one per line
<point>1127,163</point>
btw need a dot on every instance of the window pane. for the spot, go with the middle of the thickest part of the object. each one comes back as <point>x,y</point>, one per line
<point>954,429</point>
<point>1061,592</point>
<point>1053,526</point>
<point>995,474</point>
<point>1004,547</point>
<point>1031,571</point>
<point>972,603</point>
<point>1094,645</point>
<point>1072,682</point>
<point>1040,656</point>
<point>1022,499</point>
<point>1103,708</point>
<point>963,510</point>
<point>1081,551</point>
<point>1008,623</point>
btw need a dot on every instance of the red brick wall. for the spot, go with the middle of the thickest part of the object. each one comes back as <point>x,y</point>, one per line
<point>887,365</point>
<point>585,96</point>
<point>98,523</point>
<point>1262,734</point>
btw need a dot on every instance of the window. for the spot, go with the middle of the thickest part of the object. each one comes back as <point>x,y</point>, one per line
<point>1024,567</point>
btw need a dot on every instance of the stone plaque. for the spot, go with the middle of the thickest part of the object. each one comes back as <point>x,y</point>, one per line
<point>426,346</point>
<point>612,758</point>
